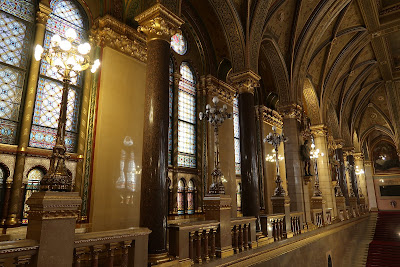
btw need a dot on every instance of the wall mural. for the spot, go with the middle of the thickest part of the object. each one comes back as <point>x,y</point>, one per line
<point>385,158</point>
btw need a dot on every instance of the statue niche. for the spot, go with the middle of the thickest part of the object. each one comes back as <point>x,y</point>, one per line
<point>305,157</point>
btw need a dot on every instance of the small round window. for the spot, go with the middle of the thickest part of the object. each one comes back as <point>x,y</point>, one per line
<point>179,44</point>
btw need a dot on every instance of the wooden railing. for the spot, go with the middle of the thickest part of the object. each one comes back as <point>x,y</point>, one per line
<point>126,247</point>
<point>274,225</point>
<point>328,216</point>
<point>17,253</point>
<point>243,233</point>
<point>195,241</point>
<point>318,217</point>
<point>296,222</point>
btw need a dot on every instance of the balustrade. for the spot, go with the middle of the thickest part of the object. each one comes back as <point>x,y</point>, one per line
<point>17,253</point>
<point>274,226</point>
<point>318,217</point>
<point>328,216</point>
<point>126,247</point>
<point>195,241</point>
<point>296,222</point>
<point>243,233</point>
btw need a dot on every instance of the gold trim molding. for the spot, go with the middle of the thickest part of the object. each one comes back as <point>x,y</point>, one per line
<point>42,15</point>
<point>213,86</point>
<point>270,116</point>
<point>358,156</point>
<point>158,22</point>
<point>108,31</point>
<point>245,81</point>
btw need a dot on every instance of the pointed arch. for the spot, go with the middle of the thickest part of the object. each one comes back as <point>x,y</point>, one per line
<point>311,102</point>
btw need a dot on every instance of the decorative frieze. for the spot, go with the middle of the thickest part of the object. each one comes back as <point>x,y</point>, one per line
<point>245,81</point>
<point>215,87</point>
<point>158,22</point>
<point>107,31</point>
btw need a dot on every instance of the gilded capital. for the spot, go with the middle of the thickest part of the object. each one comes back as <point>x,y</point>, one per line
<point>358,156</point>
<point>368,163</point>
<point>215,87</point>
<point>291,111</point>
<point>348,151</point>
<point>270,116</point>
<point>158,22</point>
<point>339,143</point>
<point>245,81</point>
<point>42,15</point>
<point>319,130</point>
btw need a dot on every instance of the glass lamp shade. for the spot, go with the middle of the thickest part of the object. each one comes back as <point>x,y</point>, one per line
<point>38,52</point>
<point>84,48</point>
<point>70,34</point>
<point>55,40</point>
<point>65,45</point>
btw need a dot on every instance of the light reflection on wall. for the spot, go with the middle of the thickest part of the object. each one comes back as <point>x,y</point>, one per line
<point>129,171</point>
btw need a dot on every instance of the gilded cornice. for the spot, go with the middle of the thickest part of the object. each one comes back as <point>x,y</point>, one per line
<point>348,151</point>
<point>271,116</point>
<point>158,22</point>
<point>215,87</point>
<point>108,31</point>
<point>245,81</point>
<point>368,163</point>
<point>319,130</point>
<point>291,111</point>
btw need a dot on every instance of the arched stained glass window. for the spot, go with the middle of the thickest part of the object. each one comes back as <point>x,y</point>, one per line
<point>34,177</point>
<point>181,196</point>
<point>179,44</point>
<point>236,135</point>
<point>191,197</point>
<point>187,118</point>
<point>239,197</point>
<point>171,100</point>
<point>16,28</point>
<point>66,14</point>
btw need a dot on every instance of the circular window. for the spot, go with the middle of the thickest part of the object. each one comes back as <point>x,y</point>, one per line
<point>179,44</point>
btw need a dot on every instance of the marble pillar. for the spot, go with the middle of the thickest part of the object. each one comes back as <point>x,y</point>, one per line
<point>325,181</point>
<point>342,169</point>
<point>245,82</point>
<point>369,180</point>
<point>296,187</point>
<point>16,193</point>
<point>158,24</point>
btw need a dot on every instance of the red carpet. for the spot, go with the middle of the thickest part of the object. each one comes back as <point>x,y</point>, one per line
<point>384,250</point>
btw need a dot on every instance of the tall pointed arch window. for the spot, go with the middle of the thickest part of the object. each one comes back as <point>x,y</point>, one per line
<point>236,135</point>
<point>16,28</point>
<point>187,117</point>
<point>66,14</point>
<point>170,105</point>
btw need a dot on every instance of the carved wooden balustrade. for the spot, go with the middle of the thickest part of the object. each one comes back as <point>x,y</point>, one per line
<point>194,241</point>
<point>318,218</point>
<point>328,216</point>
<point>17,253</point>
<point>296,222</point>
<point>243,233</point>
<point>126,247</point>
<point>274,225</point>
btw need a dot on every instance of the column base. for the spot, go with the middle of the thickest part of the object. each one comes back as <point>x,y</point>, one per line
<point>12,221</point>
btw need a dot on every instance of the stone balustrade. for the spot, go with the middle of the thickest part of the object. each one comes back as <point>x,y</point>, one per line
<point>296,222</point>
<point>125,247</point>
<point>318,218</point>
<point>17,253</point>
<point>194,241</point>
<point>328,216</point>
<point>243,233</point>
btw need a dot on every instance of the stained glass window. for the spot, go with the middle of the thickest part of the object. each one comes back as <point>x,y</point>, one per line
<point>171,100</point>
<point>236,135</point>
<point>190,197</point>
<point>16,17</point>
<point>187,118</point>
<point>65,15</point>
<point>179,44</point>
<point>33,185</point>
<point>181,197</point>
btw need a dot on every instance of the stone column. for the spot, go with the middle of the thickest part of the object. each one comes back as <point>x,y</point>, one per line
<point>159,24</point>
<point>16,193</point>
<point>297,188</point>
<point>320,133</point>
<point>369,180</point>
<point>52,220</point>
<point>342,169</point>
<point>245,83</point>
<point>362,187</point>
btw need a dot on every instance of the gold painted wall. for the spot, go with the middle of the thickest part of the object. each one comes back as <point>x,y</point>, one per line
<point>115,199</point>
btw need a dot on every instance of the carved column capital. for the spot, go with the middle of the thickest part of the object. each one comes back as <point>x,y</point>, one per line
<point>319,130</point>
<point>245,81</point>
<point>291,111</point>
<point>215,87</point>
<point>270,116</point>
<point>358,156</point>
<point>158,23</point>
<point>368,163</point>
<point>339,143</point>
<point>42,15</point>
<point>348,151</point>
